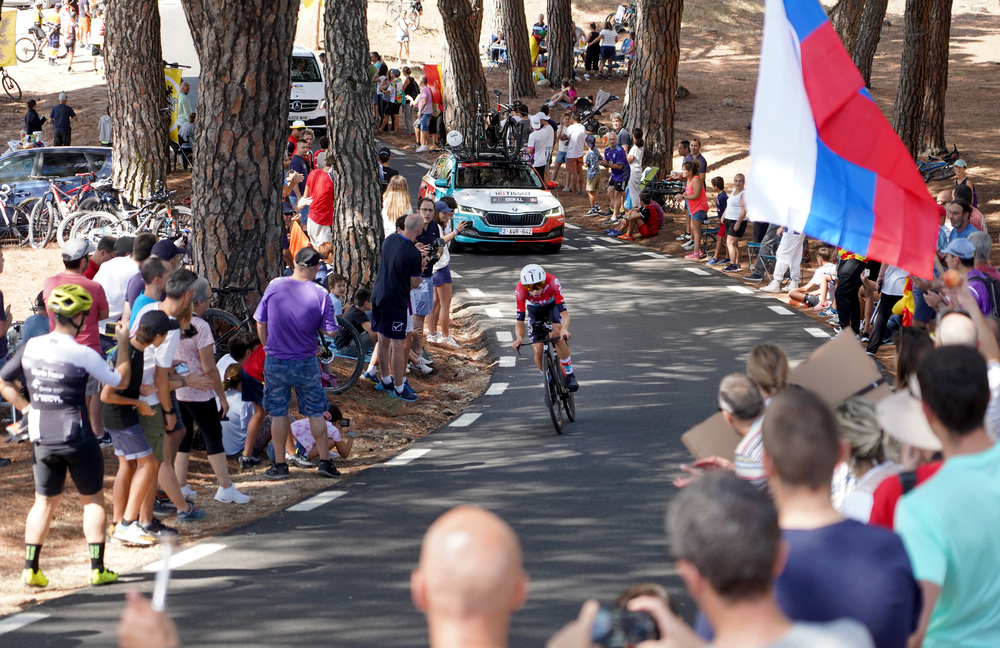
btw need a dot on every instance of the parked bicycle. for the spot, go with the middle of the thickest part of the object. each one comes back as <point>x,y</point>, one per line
<point>939,168</point>
<point>10,86</point>
<point>558,398</point>
<point>413,8</point>
<point>623,20</point>
<point>52,208</point>
<point>157,214</point>
<point>13,218</point>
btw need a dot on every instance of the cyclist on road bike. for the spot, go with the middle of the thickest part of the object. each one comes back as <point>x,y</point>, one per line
<point>540,295</point>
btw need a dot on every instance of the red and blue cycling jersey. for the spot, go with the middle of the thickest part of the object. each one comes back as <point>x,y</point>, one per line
<point>551,296</point>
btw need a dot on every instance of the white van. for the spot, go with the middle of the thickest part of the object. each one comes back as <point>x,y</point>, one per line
<point>308,97</point>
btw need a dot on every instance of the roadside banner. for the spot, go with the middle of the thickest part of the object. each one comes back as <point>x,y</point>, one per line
<point>8,25</point>
<point>173,79</point>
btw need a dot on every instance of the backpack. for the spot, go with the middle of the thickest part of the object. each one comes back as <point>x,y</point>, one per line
<point>992,289</point>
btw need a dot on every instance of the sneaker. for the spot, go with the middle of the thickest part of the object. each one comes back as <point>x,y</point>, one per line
<point>754,277</point>
<point>381,386</point>
<point>790,286</point>
<point>449,341</point>
<point>248,462</point>
<point>327,469</point>
<point>713,261</point>
<point>103,576</point>
<point>587,77</point>
<point>733,267</point>
<point>772,287</point>
<point>606,212</point>
<point>421,367</point>
<point>593,211</point>
<point>434,337</point>
<point>407,395</point>
<point>371,375</point>
<point>105,441</point>
<point>298,460</point>
<point>277,471</point>
<point>689,246</point>
<point>34,577</point>
<point>192,514</point>
<point>161,510</point>
<point>188,492</point>
<point>4,462</point>
<point>865,338</point>
<point>159,530</point>
<point>422,149</point>
<point>566,190</point>
<point>571,383</point>
<point>683,237</point>
<point>231,496</point>
<point>427,358</point>
<point>835,322</point>
<point>133,534</point>
<point>625,237</point>
<point>693,256</point>
<point>828,312</point>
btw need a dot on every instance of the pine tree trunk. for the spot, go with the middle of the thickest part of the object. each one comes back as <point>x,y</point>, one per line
<point>652,85</point>
<point>245,50</point>
<point>908,109</point>
<point>515,31</point>
<point>357,220</point>
<point>868,37</point>
<point>136,95</point>
<point>560,41</point>
<point>463,71</point>
<point>847,20</point>
<point>932,122</point>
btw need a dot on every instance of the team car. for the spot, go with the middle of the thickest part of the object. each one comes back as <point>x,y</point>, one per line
<point>504,200</point>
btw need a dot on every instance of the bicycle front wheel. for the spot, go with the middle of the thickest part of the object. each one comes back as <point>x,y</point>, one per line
<point>343,363</point>
<point>392,12</point>
<point>12,88</point>
<point>172,225</point>
<point>224,325</point>
<point>96,225</point>
<point>40,224</point>
<point>25,49</point>
<point>942,173</point>
<point>66,225</point>
<point>17,223</point>
<point>553,373</point>
<point>413,17</point>
<point>569,405</point>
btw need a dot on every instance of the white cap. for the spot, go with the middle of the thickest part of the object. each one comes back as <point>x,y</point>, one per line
<point>536,123</point>
<point>298,123</point>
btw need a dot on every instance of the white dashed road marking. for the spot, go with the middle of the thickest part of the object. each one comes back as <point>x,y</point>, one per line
<point>180,559</point>
<point>569,247</point>
<point>406,457</point>
<point>475,292</point>
<point>455,274</point>
<point>316,501</point>
<point>817,332</point>
<point>505,336</point>
<point>508,361</point>
<point>396,151</point>
<point>697,271</point>
<point>494,313</point>
<point>780,310</point>
<point>423,164</point>
<point>743,290</point>
<point>595,246</point>
<point>497,388</point>
<point>572,226</point>
<point>18,621</point>
<point>465,420</point>
<point>652,254</point>
<point>614,240</point>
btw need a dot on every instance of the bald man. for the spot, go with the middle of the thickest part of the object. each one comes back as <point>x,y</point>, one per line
<point>470,579</point>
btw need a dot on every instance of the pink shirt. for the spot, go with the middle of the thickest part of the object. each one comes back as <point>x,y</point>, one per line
<point>89,334</point>
<point>188,353</point>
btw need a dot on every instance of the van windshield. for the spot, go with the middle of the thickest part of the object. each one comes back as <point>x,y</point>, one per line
<point>505,176</point>
<point>305,70</point>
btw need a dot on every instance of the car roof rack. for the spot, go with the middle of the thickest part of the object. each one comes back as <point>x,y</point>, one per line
<point>464,154</point>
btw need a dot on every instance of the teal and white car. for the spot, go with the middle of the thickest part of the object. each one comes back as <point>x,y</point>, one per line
<point>505,201</point>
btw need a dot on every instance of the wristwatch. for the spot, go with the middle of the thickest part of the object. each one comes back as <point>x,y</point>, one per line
<point>170,412</point>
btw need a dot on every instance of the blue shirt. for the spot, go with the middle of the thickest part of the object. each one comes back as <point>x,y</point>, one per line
<point>60,117</point>
<point>945,237</point>
<point>140,302</point>
<point>721,201</point>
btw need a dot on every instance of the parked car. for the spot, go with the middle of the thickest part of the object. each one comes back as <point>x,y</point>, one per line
<point>504,199</point>
<point>20,168</point>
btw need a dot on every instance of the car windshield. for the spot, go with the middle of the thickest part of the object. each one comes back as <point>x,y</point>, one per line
<point>305,70</point>
<point>498,176</point>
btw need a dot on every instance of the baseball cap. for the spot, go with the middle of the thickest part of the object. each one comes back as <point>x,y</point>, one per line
<point>124,245</point>
<point>441,206</point>
<point>902,418</point>
<point>591,140</point>
<point>384,154</point>
<point>76,249</point>
<point>536,123</point>
<point>961,163</point>
<point>298,123</point>
<point>166,250</point>
<point>307,257</point>
<point>962,248</point>
<point>157,322</point>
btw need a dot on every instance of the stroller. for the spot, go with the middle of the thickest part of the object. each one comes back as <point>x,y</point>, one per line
<point>590,109</point>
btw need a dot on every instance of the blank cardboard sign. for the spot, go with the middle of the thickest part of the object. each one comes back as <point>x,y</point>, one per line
<point>711,437</point>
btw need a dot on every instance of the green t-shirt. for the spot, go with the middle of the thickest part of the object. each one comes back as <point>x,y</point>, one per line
<point>950,526</point>
<point>373,76</point>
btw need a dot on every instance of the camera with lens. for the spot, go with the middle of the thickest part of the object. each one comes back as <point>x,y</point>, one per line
<point>620,627</point>
<point>434,251</point>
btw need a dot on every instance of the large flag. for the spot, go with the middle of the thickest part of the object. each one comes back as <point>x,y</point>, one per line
<point>8,23</point>
<point>824,160</point>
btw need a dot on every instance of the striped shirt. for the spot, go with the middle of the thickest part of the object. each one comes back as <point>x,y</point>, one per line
<point>749,455</point>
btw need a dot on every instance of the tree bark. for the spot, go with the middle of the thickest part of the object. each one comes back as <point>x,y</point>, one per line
<point>357,206</point>
<point>652,85</point>
<point>868,37</point>
<point>560,41</point>
<point>463,71</point>
<point>847,21</point>
<point>908,109</point>
<point>515,31</point>
<point>245,49</point>
<point>136,96</point>
<point>932,121</point>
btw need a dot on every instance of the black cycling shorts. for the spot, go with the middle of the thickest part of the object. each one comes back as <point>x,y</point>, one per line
<point>82,459</point>
<point>548,312</point>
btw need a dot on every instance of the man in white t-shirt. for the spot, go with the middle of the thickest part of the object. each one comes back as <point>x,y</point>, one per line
<point>540,145</point>
<point>114,275</point>
<point>574,154</point>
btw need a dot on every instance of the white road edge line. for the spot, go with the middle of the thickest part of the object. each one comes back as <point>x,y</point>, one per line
<point>743,290</point>
<point>316,501</point>
<point>183,558</point>
<point>652,254</point>
<point>423,164</point>
<point>497,388</point>
<point>465,420</point>
<point>508,361</point>
<point>697,271</point>
<point>505,336</point>
<point>495,313</point>
<point>817,332</point>
<point>475,292</point>
<point>455,274</point>
<point>780,310</point>
<point>18,621</point>
<point>406,457</point>
<point>572,226</point>
<point>569,247</point>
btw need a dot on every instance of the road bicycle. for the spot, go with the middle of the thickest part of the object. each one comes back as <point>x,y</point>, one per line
<point>13,218</point>
<point>413,9</point>
<point>624,19</point>
<point>157,214</point>
<point>52,208</point>
<point>939,168</point>
<point>558,398</point>
<point>10,86</point>
<point>497,129</point>
<point>342,358</point>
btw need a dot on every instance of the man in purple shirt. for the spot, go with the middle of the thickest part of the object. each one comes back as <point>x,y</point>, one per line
<point>959,255</point>
<point>290,314</point>
<point>617,163</point>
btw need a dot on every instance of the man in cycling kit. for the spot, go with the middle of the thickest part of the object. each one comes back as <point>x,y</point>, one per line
<point>540,295</point>
<point>55,370</point>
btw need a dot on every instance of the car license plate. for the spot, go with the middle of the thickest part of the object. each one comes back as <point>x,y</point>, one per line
<point>515,231</point>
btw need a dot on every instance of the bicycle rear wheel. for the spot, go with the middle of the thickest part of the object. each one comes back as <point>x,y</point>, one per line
<point>25,49</point>
<point>40,224</point>
<point>17,219</point>
<point>392,11</point>
<point>172,225</point>
<point>413,17</point>
<point>224,325</point>
<point>96,225</point>
<point>942,173</point>
<point>553,373</point>
<point>65,227</point>
<point>342,364</point>
<point>11,86</point>
<point>569,405</point>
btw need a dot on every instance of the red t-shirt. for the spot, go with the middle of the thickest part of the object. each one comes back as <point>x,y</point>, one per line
<point>890,490</point>
<point>254,364</point>
<point>320,188</point>
<point>91,270</point>
<point>89,334</point>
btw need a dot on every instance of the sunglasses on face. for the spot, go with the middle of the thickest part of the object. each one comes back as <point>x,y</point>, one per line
<point>535,286</point>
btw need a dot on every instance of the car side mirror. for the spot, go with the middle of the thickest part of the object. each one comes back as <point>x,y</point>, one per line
<point>441,182</point>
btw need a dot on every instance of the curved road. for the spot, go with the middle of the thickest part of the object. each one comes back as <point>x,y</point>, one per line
<point>652,337</point>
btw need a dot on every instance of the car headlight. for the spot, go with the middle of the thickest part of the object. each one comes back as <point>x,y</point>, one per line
<point>471,210</point>
<point>555,211</point>
<point>322,105</point>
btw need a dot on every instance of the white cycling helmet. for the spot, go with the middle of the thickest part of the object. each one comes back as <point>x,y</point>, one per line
<point>454,139</point>
<point>532,274</point>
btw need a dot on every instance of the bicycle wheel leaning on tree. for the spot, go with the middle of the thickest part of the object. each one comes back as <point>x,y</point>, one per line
<point>342,364</point>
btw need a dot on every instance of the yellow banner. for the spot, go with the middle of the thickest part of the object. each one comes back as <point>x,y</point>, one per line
<point>308,3</point>
<point>8,23</point>
<point>173,78</point>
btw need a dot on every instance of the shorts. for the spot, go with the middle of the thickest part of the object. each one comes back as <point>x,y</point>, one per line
<point>574,165</point>
<point>251,389</point>
<point>93,386</point>
<point>390,320</point>
<point>921,311</point>
<point>402,39</point>
<point>423,297</point>
<point>425,122</point>
<point>699,215</point>
<point>560,157</point>
<point>131,443</point>
<point>179,424</point>
<point>648,231</point>
<point>155,430</point>
<point>607,52</point>
<point>619,185</point>
<point>83,461</point>
<point>318,233</point>
<point>301,374</point>
<point>592,183</point>
<point>392,108</point>
<point>442,276</point>
<point>540,170</point>
<point>735,232</point>
<point>548,312</point>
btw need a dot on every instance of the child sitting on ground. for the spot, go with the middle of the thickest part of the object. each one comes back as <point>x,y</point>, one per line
<point>566,97</point>
<point>644,221</point>
<point>592,160</point>
<point>337,428</point>
<point>817,291</point>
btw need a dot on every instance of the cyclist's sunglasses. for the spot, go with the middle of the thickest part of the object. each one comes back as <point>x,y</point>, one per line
<point>535,286</point>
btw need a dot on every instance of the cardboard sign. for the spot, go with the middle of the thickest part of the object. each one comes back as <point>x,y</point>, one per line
<point>711,437</point>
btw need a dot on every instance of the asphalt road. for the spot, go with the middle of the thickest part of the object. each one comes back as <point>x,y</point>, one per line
<point>652,337</point>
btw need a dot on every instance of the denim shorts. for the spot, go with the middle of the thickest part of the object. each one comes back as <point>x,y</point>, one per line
<point>281,376</point>
<point>131,443</point>
<point>699,215</point>
<point>425,122</point>
<point>560,157</point>
<point>423,297</point>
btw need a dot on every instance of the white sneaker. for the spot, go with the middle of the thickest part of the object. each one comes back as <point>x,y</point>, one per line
<point>231,496</point>
<point>132,534</point>
<point>449,341</point>
<point>688,246</point>
<point>434,337</point>
<point>772,287</point>
<point>422,149</point>
<point>790,286</point>
<point>421,367</point>
<point>188,492</point>
<point>587,77</point>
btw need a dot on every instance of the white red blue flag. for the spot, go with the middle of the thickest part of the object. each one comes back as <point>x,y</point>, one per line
<point>824,159</point>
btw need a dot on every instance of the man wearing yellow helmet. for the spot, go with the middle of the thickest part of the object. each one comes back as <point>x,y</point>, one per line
<point>56,370</point>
